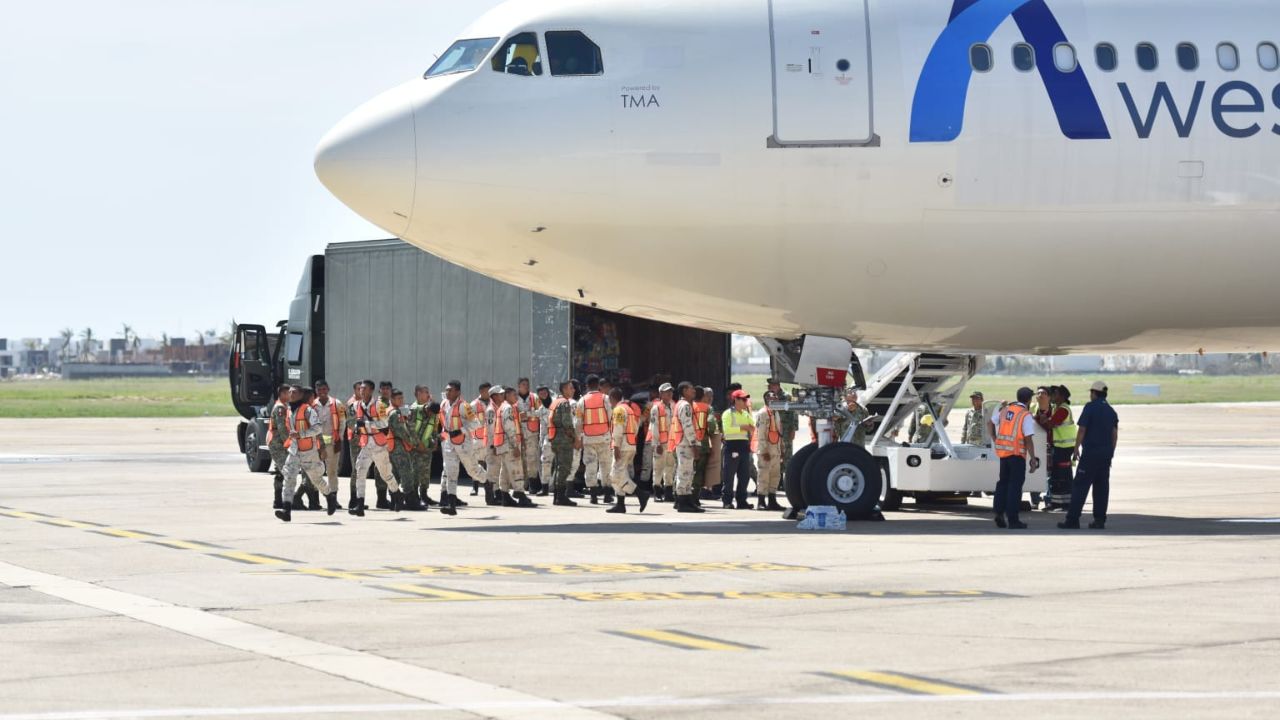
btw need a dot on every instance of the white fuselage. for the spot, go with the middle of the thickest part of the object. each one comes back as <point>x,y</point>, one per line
<point>724,172</point>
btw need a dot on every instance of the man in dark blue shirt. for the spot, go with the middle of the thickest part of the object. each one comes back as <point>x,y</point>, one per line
<point>1096,437</point>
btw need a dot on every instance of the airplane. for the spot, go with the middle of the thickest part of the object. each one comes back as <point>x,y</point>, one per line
<point>950,177</point>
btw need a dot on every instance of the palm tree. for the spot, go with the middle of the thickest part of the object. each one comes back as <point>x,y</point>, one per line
<point>67,336</point>
<point>126,331</point>
<point>87,348</point>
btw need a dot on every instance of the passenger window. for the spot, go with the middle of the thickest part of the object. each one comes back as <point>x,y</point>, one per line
<point>519,56</point>
<point>1106,57</point>
<point>1064,57</point>
<point>573,53</point>
<point>1148,58</point>
<point>980,57</point>
<point>1228,57</point>
<point>1188,57</point>
<point>1268,56</point>
<point>1024,57</point>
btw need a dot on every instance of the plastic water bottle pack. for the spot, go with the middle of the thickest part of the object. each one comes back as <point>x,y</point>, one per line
<point>822,517</point>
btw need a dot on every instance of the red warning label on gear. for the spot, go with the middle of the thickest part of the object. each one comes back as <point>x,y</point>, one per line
<point>831,377</point>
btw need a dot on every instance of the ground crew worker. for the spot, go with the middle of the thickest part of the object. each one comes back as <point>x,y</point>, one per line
<point>332,420</point>
<point>424,423</point>
<point>714,446</point>
<point>738,431</point>
<point>857,420</point>
<point>627,415</point>
<point>277,431</point>
<point>766,443</point>
<point>1014,431</point>
<point>1060,424</point>
<point>661,461</point>
<point>353,446</point>
<point>530,427</point>
<point>384,409</point>
<point>1096,440</point>
<point>491,460</point>
<point>401,442</point>
<point>922,423</point>
<point>308,488</point>
<point>508,449</point>
<point>701,416</point>
<point>975,423</point>
<point>457,446</point>
<point>597,455</point>
<point>1041,410</point>
<point>562,433</point>
<point>789,424</point>
<point>683,442</point>
<point>375,441</point>
<point>302,452</point>
<point>479,406</point>
<point>542,411</point>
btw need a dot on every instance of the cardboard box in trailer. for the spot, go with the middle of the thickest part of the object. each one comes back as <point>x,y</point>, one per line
<point>385,310</point>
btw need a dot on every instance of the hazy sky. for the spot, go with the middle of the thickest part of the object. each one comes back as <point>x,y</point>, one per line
<point>155,155</point>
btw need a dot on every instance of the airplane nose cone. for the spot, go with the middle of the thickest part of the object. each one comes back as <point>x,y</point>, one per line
<point>369,161</point>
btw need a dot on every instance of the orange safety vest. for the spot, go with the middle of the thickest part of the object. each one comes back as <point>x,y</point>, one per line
<point>633,422</point>
<point>775,436</point>
<point>551,427</point>
<point>700,413</point>
<point>334,417</point>
<point>677,428</point>
<point>496,432</point>
<point>1009,432</point>
<point>531,420</point>
<point>298,424</point>
<point>382,439</point>
<point>479,433</point>
<point>453,423</point>
<point>595,417</point>
<point>271,424</point>
<point>664,425</point>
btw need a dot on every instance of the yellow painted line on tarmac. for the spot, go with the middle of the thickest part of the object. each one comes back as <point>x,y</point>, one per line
<point>121,533</point>
<point>683,640</point>
<point>912,684</point>
<point>251,558</point>
<point>332,574</point>
<point>650,596</point>
<point>23,515</point>
<point>428,593</point>
<point>595,568</point>
<point>184,545</point>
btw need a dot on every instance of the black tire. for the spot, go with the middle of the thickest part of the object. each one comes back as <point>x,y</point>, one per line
<point>257,460</point>
<point>794,486</point>
<point>890,499</point>
<point>846,476</point>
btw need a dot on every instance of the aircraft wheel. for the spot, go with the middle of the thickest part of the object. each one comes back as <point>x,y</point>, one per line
<point>794,486</point>
<point>846,476</point>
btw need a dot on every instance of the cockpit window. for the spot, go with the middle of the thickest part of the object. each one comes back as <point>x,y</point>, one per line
<point>462,56</point>
<point>519,56</point>
<point>573,53</point>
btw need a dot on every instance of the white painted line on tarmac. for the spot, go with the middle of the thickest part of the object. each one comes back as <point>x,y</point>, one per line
<point>522,709</point>
<point>1188,463</point>
<point>443,690</point>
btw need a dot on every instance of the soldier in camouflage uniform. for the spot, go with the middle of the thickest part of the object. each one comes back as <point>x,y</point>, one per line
<point>277,432</point>
<point>424,422</point>
<point>684,442</point>
<point>788,424</point>
<point>565,442</point>
<point>975,423</point>
<point>542,411</point>
<point>922,424</point>
<point>401,459</point>
<point>349,431</point>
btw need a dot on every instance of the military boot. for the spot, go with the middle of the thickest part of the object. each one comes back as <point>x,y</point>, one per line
<point>397,501</point>
<point>285,512</point>
<point>760,503</point>
<point>313,499</point>
<point>522,500</point>
<point>456,501</point>
<point>383,502</point>
<point>642,494</point>
<point>489,497</point>
<point>505,499</point>
<point>475,488</point>
<point>608,495</point>
<point>278,485</point>
<point>562,499</point>
<point>447,506</point>
<point>774,504</point>
<point>413,502</point>
<point>332,501</point>
<point>426,499</point>
<point>595,496</point>
<point>356,507</point>
<point>351,499</point>
<point>620,506</point>
<point>684,504</point>
<point>298,497</point>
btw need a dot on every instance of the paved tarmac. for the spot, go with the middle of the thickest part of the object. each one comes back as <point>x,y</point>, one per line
<point>143,575</point>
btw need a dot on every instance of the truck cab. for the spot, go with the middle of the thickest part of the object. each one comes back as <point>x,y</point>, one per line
<point>263,360</point>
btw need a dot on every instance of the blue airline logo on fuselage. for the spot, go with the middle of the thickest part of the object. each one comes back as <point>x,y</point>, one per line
<point>937,113</point>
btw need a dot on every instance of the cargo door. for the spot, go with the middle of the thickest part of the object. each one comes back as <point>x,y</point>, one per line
<point>821,73</point>
<point>252,381</point>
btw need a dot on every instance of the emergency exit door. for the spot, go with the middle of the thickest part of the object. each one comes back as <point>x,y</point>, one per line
<point>821,72</point>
